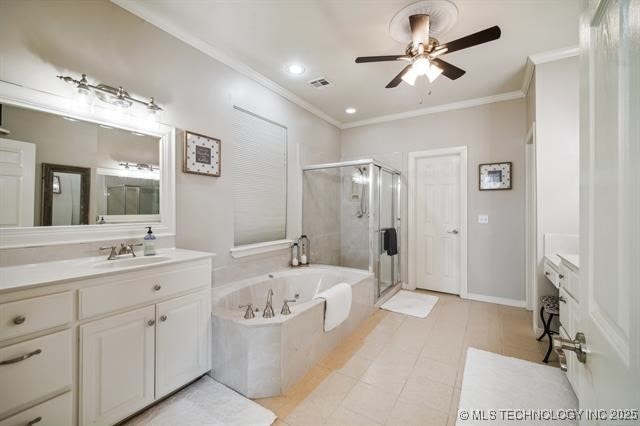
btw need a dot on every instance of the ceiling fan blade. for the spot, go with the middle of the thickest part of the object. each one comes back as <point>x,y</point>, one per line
<point>450,71</point>
<point>419,29</point>
<point>398,78</point>
<point>363,59</point>
<point>471,40</point>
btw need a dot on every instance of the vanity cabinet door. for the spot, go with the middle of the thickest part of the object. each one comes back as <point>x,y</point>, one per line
<point>182,340</point>
<point>117,366</point>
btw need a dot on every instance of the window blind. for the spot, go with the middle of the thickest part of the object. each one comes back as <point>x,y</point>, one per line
<point>259,171</point>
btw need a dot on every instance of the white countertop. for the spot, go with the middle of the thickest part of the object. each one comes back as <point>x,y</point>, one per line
<point>22,277</point>
<point>571,259</point>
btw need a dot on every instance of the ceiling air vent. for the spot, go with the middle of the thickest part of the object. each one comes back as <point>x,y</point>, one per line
<point>320,82</point>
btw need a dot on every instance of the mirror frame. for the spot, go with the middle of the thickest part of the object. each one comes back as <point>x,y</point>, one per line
<point>24,97</point>
<point>48,170</point>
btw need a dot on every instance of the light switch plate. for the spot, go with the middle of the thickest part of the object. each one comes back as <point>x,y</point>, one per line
<point>483,218</point>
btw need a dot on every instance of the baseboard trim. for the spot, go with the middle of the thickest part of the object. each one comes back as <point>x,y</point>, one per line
<point>497,300</point>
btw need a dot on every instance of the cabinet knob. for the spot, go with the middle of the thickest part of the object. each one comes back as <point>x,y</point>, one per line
<point>546,273</point>
<point>19,319</point>
<point>151,322</point>
<point>562,299</point>
<point>157,287</point>
<point>163,318</point>
<point>560,276</point>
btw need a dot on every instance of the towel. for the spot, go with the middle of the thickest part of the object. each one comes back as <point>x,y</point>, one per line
<point>390,241</point>
<point>337,305</point>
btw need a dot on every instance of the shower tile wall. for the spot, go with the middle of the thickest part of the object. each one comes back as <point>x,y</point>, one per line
<point>354,238</point>
<point>321,208</point>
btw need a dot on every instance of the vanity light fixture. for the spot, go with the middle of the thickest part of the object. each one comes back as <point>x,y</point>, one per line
<point>350,110</point>
<point>115,96</point>
<point>140,166</point>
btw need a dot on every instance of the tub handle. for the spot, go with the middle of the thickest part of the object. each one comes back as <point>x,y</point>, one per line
<point>285,307</point>
<point>249,312</point>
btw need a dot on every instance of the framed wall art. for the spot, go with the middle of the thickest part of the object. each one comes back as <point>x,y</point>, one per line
<point>202,154</point>
<point>495,176</point>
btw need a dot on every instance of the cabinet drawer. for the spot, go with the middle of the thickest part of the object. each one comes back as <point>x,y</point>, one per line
<point>39,313</point>
<point>34,369</point>
<point>551,274</point>
<point>129,291</point>
<point>54,412</point>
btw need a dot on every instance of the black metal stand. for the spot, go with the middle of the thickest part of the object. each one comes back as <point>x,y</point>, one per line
<point>547,332</point>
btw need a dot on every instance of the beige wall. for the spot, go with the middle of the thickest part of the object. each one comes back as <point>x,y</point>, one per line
<point>557,139</point>
<point>492,133</point>
<point>39,40</point>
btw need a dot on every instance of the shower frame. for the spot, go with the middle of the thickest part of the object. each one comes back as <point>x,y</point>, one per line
<point>374,229</point>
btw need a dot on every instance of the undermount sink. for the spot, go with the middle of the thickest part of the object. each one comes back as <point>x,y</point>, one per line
<point>131,262</point>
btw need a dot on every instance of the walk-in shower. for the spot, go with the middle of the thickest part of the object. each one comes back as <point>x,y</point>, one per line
<point>349,210</point>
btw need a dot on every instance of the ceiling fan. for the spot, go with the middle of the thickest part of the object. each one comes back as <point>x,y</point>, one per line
<point>423,52</point>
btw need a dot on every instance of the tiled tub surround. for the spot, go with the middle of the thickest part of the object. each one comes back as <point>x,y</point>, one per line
<point>263,357</point>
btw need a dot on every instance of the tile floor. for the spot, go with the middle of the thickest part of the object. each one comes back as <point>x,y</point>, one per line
<point>402,370</point>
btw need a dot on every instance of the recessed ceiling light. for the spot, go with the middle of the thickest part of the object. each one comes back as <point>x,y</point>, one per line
<point>295,69</point>
<point>350,110</point>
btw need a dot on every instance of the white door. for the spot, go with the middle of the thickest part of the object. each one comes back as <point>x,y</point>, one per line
<point>182,341</point>
<point>17,183</point>
<point>610,209</point>
<point>117,366</point>
<point>436,202</point>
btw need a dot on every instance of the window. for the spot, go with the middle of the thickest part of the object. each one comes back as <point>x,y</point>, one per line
<point>259,172</point>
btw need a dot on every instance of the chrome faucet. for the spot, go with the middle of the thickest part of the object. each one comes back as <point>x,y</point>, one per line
<point>268,310</point>
<point>125,248</point>
<point>113,254</point>
<point>285,307</point>
<point>128,249</point>
<point>248,314</point>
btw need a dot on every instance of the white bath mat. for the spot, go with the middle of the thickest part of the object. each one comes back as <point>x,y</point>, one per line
<point>205,402</point>
<point>494,383</point>
<point>411,303</point>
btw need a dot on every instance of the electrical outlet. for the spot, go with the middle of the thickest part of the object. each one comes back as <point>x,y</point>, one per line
<point>483,218</point>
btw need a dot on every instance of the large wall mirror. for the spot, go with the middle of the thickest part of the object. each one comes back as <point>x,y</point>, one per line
<point>58,171</point>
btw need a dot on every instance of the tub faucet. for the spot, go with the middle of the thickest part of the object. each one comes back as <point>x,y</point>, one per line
<point>268,310</point>
<point>285,307</point>
<point>248,314</point>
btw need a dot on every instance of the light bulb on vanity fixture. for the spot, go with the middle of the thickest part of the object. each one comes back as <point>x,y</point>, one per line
<point>116,97</point>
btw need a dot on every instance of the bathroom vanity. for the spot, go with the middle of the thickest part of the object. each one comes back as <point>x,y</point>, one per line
<point>90,341</point>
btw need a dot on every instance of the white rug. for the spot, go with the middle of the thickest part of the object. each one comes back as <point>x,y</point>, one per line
<point>493,382</point>
<point>205,402</point>
<point>411,303</point>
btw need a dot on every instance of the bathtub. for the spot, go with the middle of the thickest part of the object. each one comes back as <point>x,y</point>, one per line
<point>262,357</point>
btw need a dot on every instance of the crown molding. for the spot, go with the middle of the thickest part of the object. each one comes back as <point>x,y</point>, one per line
<point>542,58</point>
<point>508,96</point>
<point>137,9</point>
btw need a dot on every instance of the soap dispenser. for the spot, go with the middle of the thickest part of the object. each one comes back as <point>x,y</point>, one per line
<point>149,243</point>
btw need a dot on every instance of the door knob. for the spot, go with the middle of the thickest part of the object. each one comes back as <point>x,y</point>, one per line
<point>453,231</point>
<point>577,346</point>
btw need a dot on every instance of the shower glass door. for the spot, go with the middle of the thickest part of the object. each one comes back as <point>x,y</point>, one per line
<point>388,265</point>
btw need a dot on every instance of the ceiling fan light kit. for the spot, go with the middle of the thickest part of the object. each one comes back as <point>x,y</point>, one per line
<point>427,19</point>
